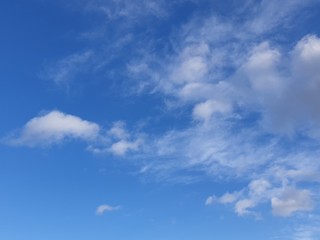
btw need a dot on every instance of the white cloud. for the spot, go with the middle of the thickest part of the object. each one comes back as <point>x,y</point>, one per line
<point>122,147</point>
<point>259,186</point>
<point>291,100</point>
<point>261,69</point>
<point>191,69</point>
<point>205,110</point>
<point>106,208</point>
<point>54,127</point>
<point>118,130</point>
<point>285,201</point>
<point>210,200</point>
<point>242,206</point>
<point>229,197</point>
<point>290,201</point>
<point>270,14</point>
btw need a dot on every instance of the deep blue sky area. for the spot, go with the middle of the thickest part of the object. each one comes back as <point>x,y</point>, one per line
<point>163,120</point>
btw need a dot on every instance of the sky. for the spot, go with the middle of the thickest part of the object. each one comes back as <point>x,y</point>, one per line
<point>163,120</point>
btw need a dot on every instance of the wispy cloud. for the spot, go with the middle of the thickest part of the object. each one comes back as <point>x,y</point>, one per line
<point>128,9</point>
<point>66,69</point>
<point>268,15</point>
<point>102,209</point>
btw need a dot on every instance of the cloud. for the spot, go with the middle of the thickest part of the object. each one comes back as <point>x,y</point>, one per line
<point>52,128</point>
<point>67,68</point>
<point>204,111</point>
<point>118,141</point>
<point>285,200</point>
<point>267,95</point>
<point>226,198</point>
<point>242,206</point>
<point>290,201</point>
<point>289,100</point>
<point>122,147</point>
<point>259,186</point>
<point>267,16</point>
<point>106,208</point>
<point>210,200</point>
<point>229,197</point>
<point>55,127</point>
<point>132,10</point>
<point>307,232</point>
<point>118,130</point>
<point>212,148</point>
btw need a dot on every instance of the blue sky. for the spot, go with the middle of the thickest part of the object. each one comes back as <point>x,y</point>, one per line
<point>164,120</point>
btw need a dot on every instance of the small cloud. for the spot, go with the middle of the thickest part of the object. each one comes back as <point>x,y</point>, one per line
<point>290,201</point>
<point>106,208</point>
<point>122,147</point>
<point>243,205</point>
<point>52,128</point>
<point>259,186</point>
<point>229,197</point>
<point>205,110</point>
<point>118,130</point>
<point>210,200</point>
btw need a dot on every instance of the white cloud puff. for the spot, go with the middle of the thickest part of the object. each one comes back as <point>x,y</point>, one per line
<point>106,208</point>
<point>290,201</point>
<point>205,110</point>
<point>54,127</point>
<point>210,200</point>
<point>121,147</point>
<point>242,206</point>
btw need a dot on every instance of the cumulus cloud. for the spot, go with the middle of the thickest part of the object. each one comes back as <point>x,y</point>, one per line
<point>122,147</point>
<point>259,186</point>
<point>229,197</point>
<point>204,111</point>
<point>290,201</point>
<point>54,127</point>
<point>284,200</point>
<point>118,141</point>
<point>290,100</point>
<point>242,206</point>
<point>106,208</point>
<point>118,130</point>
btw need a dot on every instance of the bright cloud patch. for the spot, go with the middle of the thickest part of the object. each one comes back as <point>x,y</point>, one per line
<point>54,127</point>
<point>290,201</point>
<point>106,208</point>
